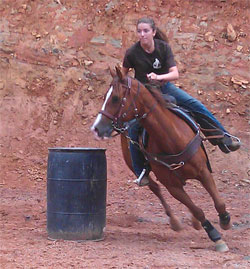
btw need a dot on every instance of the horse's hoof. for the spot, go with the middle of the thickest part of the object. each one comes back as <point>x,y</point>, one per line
<point>221,246</point>
<point>226,227</point>
<point>225,221</point>
<point>196,224</point>
<point>175,224</point>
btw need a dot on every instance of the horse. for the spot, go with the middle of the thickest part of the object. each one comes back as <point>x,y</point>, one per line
<point>169,135</point>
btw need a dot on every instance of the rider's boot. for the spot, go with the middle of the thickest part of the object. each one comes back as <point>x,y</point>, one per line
<point>229,143</point>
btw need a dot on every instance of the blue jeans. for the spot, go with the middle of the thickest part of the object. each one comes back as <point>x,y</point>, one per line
<point>184,100</point>
<point>189,103</point>
<point>138,159</point>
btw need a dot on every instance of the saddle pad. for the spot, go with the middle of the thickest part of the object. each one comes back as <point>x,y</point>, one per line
<point>181,113</point>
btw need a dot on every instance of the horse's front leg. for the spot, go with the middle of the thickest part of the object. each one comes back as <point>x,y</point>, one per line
<point>174,222</point>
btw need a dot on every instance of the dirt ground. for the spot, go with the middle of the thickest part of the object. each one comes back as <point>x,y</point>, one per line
<point>54,58</point>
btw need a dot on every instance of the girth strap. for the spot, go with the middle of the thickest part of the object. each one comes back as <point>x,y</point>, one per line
<point>177,160</point>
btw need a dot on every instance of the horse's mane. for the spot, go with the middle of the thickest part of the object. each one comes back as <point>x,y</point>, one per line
<point>155,91</point>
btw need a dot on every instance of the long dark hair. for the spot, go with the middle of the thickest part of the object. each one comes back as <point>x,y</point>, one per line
<point>159,34</point>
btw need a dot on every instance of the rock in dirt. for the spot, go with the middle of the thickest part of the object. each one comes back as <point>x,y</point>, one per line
<point>209,37</point>
<point>88,63</point>
<point>231,34</point>
<point>1,85</point>
<point>239,48</point>
<point>239,81</point>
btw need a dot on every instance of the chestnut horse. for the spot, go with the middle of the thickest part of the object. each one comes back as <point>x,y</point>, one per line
<point>169,136</point>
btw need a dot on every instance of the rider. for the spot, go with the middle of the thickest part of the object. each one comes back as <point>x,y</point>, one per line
<point>152,60</point>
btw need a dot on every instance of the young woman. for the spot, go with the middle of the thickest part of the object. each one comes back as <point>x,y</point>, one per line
<point>152,60</point>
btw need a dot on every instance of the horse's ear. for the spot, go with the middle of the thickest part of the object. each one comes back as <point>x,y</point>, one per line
<point>112,72</point>
<point>119,73</point>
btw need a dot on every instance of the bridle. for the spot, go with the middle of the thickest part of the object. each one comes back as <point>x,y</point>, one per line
<point>117,123</point>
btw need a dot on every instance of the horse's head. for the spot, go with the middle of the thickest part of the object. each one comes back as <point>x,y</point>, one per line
<point>119,105</point>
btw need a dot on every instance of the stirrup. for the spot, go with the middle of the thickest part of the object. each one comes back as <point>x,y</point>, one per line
<point>139,180</point>
<point>232,145</point>
<point>233,137</point>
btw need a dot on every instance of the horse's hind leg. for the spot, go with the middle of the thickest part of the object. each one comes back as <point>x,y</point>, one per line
<point>179,193</point>
<point>209,184</point>
<point>195,223</point>
<point>174,222</point>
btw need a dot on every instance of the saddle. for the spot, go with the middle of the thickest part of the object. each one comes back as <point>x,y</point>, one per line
<point>177,160</point>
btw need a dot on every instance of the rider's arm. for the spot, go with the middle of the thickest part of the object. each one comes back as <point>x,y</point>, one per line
<point>173,74</point>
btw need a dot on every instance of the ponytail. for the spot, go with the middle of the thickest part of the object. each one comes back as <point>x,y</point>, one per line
<point>160,35</point>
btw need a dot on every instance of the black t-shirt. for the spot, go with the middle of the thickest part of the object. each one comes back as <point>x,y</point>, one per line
<point>159,61</point>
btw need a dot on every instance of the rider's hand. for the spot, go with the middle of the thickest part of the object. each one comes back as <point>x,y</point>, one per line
<point>152,76</point>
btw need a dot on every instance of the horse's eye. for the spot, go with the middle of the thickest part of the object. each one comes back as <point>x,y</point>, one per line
<point>115,99</point>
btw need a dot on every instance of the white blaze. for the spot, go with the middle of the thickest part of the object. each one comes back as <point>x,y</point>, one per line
<point>99,117</point>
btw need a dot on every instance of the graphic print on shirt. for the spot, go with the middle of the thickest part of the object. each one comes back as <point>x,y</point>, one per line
<point>156,64</point>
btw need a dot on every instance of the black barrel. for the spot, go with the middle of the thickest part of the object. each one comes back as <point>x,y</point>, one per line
<point>76,193</point>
